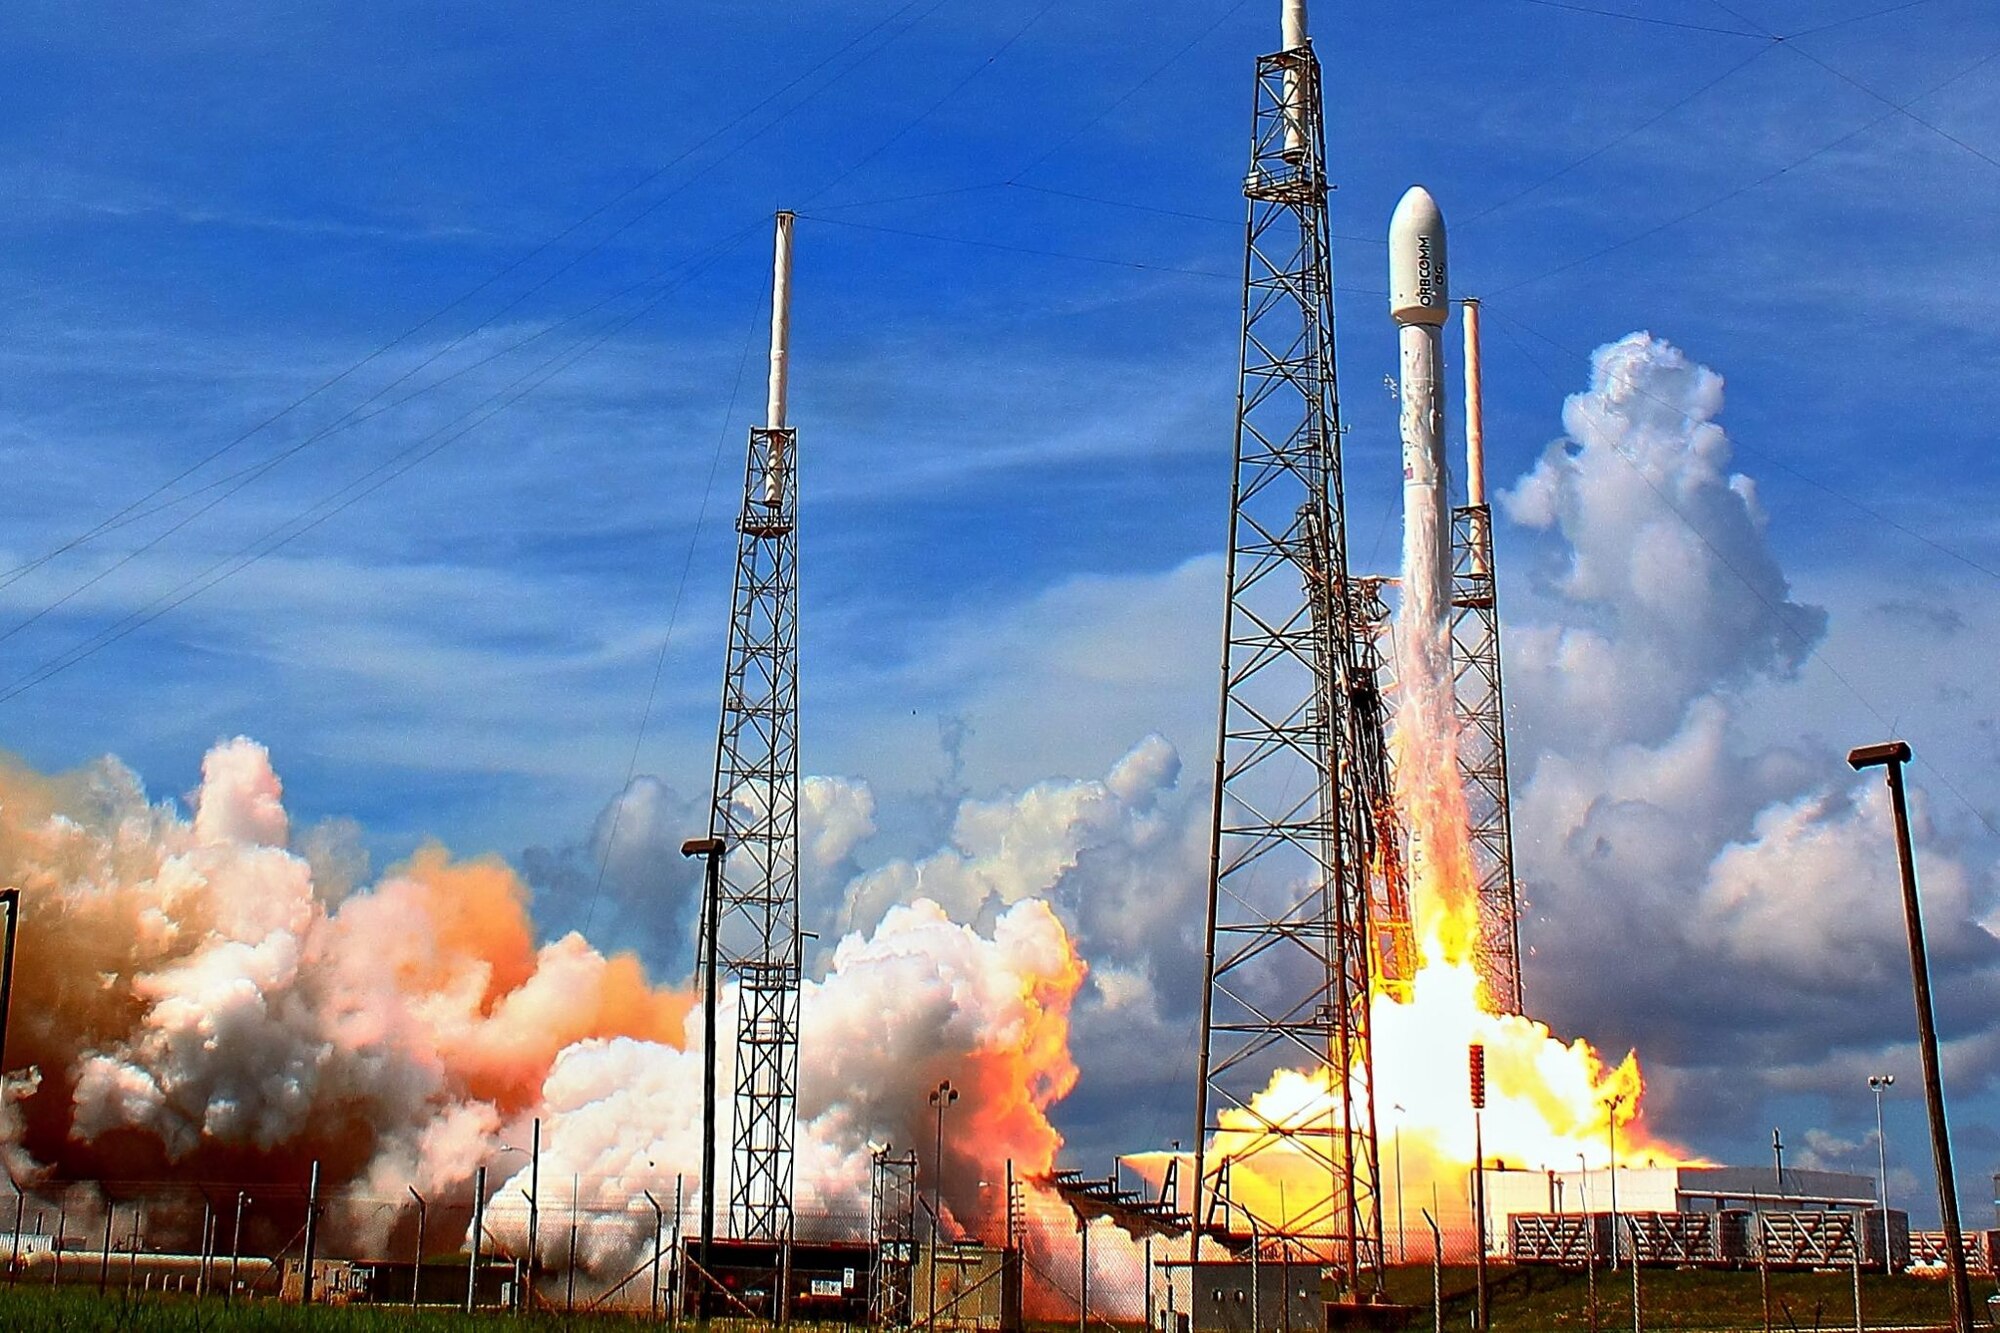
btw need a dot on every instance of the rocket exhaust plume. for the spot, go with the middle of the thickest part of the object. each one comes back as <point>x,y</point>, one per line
<point>1549,1101</point>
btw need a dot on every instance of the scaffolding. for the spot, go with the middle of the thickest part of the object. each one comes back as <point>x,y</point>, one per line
<point>892,1238</point>
<point>756,810</point>
<point>1288,955</point>
<point>1482,753</point>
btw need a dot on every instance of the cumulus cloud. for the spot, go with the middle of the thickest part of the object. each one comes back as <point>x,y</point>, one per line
<point>1667,585</point>
<point>1704,883</point>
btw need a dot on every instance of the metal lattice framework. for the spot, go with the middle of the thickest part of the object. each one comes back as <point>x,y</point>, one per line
<point>1287,961</point>
<point>892,1238</point>
<point>1395,960</point>
<point>757,810</point>
<point>1482,753</point>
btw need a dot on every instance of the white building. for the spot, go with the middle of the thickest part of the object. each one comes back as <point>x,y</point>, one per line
<point>1667,1189</point>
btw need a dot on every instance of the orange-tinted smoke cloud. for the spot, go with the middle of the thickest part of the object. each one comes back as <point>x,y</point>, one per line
<point>196,1002</point>
<point>205,998</point>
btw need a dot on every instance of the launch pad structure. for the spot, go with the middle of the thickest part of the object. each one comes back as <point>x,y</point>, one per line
<point>1482,705</point>
<point>755,934</point>
<point>1287,956</point>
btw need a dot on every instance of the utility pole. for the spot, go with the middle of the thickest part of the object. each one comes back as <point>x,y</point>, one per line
<point>236,1245</point>
<point>417,1268</point>
<point>534,1212</point>
<point>711,850</point>
<point>11,900</point>
<point>1476,1069</point>
<point>1892,755</point>
<point>1611,1105</point>
<point>1879,1084</point>
<point>659,1225</point>
<point>478,1225</point>
<point>312,1234</point>
<point>942,1096</point>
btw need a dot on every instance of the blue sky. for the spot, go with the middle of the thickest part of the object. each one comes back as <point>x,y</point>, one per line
<point>1014,363</point>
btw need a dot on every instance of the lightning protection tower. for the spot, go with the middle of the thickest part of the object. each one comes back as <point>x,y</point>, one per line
<point>1481,704</point>
<point>756,805</point>
<point>1287,958</point>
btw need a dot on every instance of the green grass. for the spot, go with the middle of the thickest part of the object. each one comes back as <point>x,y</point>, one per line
<point>1527,1300</point>
<point>1541,1299</point>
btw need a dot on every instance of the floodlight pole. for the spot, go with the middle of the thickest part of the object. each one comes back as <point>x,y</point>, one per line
<point>417,1268</point>
<point>1879,1084</point>
<point>1892,755</point>
<point>712,850</point>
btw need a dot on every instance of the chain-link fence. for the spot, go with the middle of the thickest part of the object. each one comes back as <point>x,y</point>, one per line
<point>587,1245</point>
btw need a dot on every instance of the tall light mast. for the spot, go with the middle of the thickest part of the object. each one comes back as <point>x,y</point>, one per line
<point>1287,958</point>
<point>1482,706</point>
<point>756,804</point>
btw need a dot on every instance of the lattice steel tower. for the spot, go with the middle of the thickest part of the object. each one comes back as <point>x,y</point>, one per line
<point>1481,702</point>
<point>1288,942</point>
<point>756,805</point>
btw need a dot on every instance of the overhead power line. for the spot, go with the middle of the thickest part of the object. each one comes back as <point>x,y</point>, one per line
<point>125,514</point>
<point>1610,144</point>
<point>365,484</point>
<point>1643,18</point>
<point>1738,191</point>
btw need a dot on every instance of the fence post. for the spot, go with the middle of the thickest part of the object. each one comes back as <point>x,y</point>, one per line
<point>1590,1267</point>
<point>104,1258</point>
<point>1149,1279</point>
<point>1638,1319</point>
<point>1855,1256</point>
<point>1764,1268</point>
<point>1083,1279</point>
<point>1437,1272</point>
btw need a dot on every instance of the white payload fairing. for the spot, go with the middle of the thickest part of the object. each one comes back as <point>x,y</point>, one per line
<point>1420,302</point>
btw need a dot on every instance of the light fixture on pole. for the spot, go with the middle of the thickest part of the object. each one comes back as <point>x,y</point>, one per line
<point>1611,1105</point>
<point>1476,1071</point>
<point>1892,755</point>
<point>1402,1246</point>
<point>942,1096</point>
<point>1879,1084</point>
<point>417,1268</point>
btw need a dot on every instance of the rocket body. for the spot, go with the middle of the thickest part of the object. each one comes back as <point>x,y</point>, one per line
<point>1419,301</point>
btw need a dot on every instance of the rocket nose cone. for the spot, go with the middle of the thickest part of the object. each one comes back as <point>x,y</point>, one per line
<point>1418,290</point>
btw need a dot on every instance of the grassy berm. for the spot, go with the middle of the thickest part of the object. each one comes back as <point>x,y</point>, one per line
<point>1535,1299</point>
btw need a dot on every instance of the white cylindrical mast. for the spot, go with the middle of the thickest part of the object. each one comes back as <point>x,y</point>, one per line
<point>1475,409</point>
<point>1419,302</point>
<point>1475,439</point>
<point>1294,36</point>
<point>781,323</point>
